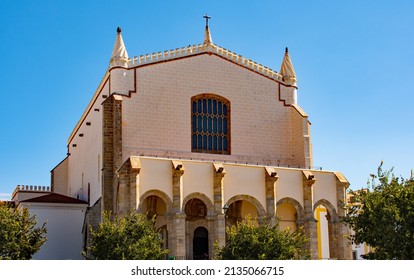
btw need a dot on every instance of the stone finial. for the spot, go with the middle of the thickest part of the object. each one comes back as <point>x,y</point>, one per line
<point>287,71</point>
<point>119,54</point>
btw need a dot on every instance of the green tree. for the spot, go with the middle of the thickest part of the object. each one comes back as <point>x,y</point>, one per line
<point>128,237</point>
<point>250,241</point>
<point>382,216</point>
<point>20,237</point>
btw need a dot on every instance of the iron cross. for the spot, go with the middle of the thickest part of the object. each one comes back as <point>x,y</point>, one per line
<point>207,18</point>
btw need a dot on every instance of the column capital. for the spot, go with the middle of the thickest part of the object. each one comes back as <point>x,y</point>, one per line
<point>178,165</point>
<point>341,180</point>
<point>308,178</point>
<point>219,168</point>
<point>271,174</point>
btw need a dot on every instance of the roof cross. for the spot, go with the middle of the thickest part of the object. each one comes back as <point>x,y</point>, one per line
<point>207,18</point>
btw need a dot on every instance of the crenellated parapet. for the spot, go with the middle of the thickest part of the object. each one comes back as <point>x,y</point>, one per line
<point>32,188</point>
<point>200,49</point>
<point>22,192</point>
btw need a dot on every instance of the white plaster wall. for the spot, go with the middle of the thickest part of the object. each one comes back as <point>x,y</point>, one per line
<point>86,157</point>
<point>289,184</point>
<point>325,187</point>
<point>361,249</point>
<point>198,177</point>
<point>156,174</point>
<point>246,180</point>
<point>323,233</point>
<point>64,230</point>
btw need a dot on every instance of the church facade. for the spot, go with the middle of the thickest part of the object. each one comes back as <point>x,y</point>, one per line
<point>202,137</point>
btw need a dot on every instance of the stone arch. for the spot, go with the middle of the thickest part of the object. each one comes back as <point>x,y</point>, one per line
<point>259,207</point>
<point>299,209</point>
<point>163,222</point>
<point>191,227</point>
<point>167,200</point>
<point>203,198</point>
<point>331,209</point>
<point>333,222</point>
<point>206,222</point>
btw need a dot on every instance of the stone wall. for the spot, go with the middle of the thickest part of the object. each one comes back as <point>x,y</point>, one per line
<point>59,178</point>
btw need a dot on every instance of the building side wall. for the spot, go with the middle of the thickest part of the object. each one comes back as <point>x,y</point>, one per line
<point>85,159</point>
<point>60,178</point>
<point>297,136</point>
<point>157,118</point>
<point>61,222</point>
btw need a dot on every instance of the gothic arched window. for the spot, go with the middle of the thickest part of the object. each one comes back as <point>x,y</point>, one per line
<point>210,124</point>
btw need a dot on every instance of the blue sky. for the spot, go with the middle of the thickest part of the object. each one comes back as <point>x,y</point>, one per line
<point>353,59</point>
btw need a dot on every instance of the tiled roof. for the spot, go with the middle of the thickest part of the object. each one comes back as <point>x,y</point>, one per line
<point>55,198</point>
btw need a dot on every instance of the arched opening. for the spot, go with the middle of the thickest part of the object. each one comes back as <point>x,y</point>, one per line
<point>200,244</point>
<point>155,206</point>
<point>323,227</point>
<point>287,216</point>
<point>195,209</point>
<point>327,217</point>
<point>239,210</point>
<point>197,227</point>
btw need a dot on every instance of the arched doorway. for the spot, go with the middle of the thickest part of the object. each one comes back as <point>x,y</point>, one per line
<point>200,244</point>
<point>197,227</point>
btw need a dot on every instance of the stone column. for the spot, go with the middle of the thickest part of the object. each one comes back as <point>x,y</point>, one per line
<point>309,219</point>
<point>134,190</point>
<point>211,223</point>
<point>134,183</point>
<point>270,183</point>
<point>121,192</point>
<point>220,226</point>
<point>127,192</point>
<point>111,149</point>
<point>178,246</point>
<point>343,244</point>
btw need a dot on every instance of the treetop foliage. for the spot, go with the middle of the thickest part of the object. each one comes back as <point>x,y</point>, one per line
<point>129,237</point>
<point>251,241</point>
<point>20,237</point>
<point>382,216</point>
